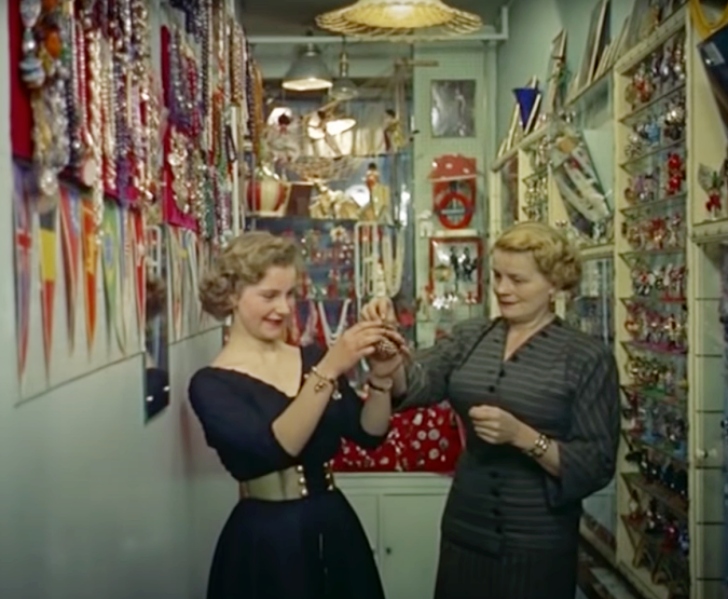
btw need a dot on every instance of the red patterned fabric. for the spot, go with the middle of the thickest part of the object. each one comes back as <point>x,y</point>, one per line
<point>21,121</point>
<point>421,440</point>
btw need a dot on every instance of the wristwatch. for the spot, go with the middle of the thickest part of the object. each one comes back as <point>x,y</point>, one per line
<point>540,446</point>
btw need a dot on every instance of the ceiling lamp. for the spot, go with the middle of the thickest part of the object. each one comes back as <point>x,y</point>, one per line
<point>308,72</point>
<point>399,18</point>
<point>343,88</point>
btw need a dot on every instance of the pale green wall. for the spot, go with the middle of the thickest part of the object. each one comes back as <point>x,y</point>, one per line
<point>470,62</point>
<point>533,25</point>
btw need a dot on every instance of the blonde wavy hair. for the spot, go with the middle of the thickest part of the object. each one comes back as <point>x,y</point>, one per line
<point>243,262</point>
<point>556,257</point>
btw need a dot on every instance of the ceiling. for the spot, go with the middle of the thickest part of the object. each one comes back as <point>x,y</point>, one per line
<point>296,17</point>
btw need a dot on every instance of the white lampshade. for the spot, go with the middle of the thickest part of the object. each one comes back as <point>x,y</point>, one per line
<point>339,125</point>
<point>308,72</point>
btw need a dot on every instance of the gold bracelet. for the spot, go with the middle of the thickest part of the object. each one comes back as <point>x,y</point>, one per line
<point>386,388</point>
<point>323,382</point>
<point>540,446</point>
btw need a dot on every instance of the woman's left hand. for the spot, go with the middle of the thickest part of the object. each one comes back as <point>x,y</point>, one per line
<point>494,425</point>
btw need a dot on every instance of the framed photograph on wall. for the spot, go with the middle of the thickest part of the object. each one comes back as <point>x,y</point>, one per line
<point>456,268</point>
<point>452,108</point>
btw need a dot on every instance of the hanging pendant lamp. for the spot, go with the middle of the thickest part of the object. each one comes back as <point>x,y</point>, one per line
<point>308,72</point>
<point>399,18</point>
<point>343,88</point>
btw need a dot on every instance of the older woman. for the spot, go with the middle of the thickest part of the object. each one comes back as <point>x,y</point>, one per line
<point>540,403</point>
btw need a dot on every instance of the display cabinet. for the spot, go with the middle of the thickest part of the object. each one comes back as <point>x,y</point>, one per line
<point>666,314</point>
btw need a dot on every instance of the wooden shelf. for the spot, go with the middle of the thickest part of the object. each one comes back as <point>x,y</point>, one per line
<point>654,570</point>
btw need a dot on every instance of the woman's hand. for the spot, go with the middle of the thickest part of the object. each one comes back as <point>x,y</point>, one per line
<point>356,343</point>
<point>384,368</point>
<point>380,309</point>
<point>494,425</point>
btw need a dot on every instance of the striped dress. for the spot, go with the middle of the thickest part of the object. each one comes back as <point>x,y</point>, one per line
<point>510,530</point>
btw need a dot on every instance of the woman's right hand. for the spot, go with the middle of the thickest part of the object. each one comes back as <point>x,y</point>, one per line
<point>380,309</point>
<point>356,343</point>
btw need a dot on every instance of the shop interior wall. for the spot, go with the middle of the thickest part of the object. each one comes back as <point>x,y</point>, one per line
<point>93,502</point>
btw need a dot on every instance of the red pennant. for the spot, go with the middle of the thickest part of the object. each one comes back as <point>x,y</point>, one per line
<point>90,269</point>
<point>136,221</point>
<point>70,206</point>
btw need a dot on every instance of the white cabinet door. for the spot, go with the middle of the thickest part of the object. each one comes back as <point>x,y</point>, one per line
<point>367,508</point>
<point>409,543</point>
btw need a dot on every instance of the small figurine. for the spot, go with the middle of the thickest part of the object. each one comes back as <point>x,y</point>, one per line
<point>393,135</point>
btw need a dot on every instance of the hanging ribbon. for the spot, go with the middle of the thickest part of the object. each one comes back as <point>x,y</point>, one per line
<point>175,275</point>
<point>191,301</point>
<point>126,271</point>
<point>70,206</point>
<point>140,268</point>
<point>110,264</point>
<point>23,254</point>
<point>48,274</point>
<point>90,269</point>
<point>703,25</point>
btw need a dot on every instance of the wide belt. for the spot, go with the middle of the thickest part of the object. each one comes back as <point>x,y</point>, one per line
<point>295,482</point>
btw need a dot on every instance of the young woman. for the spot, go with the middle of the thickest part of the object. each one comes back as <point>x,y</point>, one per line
<point>540,404</point>
<point>276,415</point>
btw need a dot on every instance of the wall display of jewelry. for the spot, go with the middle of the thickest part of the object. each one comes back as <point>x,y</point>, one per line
<point>667,473</point>
<point>652,310</point>
<point>534,173</point>
<point>84,175</point>
<point>91,149</point>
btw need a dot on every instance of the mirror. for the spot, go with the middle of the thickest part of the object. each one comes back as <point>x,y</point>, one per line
<point>156,396</point>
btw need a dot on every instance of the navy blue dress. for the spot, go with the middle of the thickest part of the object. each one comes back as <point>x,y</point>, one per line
<point>308,548</point>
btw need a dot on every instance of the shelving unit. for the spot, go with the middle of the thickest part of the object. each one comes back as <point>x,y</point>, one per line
<point>668,338</point>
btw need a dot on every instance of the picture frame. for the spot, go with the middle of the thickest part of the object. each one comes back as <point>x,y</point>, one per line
<point>452,108</point>
<point>597,39</point>
<point>554,95</point>
<point>456,268</point>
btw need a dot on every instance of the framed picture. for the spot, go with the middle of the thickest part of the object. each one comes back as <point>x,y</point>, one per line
<point>456,268</point>
<point>557,60</point>
<point>596,42</point>
<point>452,108</point>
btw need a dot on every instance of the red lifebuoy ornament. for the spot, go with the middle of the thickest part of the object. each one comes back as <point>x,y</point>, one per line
<point>454,209</point>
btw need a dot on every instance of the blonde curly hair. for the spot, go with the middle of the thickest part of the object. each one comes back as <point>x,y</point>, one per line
<point>243,262</point>
<point>556,257</point>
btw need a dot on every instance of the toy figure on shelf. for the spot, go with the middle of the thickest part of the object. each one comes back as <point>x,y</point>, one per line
<point>282,139</point>
<point>394,139</point>
<point>712,182</point>
<point>323,206</point>
<point>379,207</point>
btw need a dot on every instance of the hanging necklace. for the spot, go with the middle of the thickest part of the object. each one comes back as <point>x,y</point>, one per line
<point>329,336</point>
<point>308,335</point>
<point>392,262</point>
